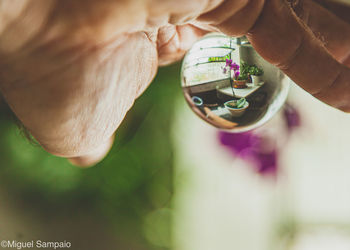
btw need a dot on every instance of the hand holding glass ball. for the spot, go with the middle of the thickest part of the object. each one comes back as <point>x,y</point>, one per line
<point>227,84</point>
<point>68,78</point>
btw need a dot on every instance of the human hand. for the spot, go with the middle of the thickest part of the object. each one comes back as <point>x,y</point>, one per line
<point>70,70</point>
<point>308,42</point>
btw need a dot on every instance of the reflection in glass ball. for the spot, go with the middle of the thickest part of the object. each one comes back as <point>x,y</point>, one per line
<point>227,84</point>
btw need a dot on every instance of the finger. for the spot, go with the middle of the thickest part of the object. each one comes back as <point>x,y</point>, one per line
<point>173,42</point>
<point>234,17</point>
<point>92,158</point>
<point>326,26</point>
<point>283,40</point>
<point>222,12</point>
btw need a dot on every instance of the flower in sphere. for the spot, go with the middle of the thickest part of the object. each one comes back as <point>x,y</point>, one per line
<point>234,66</point>
<point>237,73</point>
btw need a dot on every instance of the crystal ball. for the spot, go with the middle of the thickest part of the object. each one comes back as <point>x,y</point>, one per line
<point>227,84</point>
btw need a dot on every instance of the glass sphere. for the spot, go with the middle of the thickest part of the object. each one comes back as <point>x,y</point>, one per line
<point>227,84</point>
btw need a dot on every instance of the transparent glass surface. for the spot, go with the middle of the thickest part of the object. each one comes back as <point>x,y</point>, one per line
<point>227,84</point>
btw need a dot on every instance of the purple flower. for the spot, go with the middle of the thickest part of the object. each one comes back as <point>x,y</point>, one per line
<point>228,62</point>
<point>250,147</point>
<point>234,66</point>
<point>266,163</point>
<point>237,74</point>
<point>259,150</point>
<point>292,117</point>
<point>224,70</point>
<point>238,143</point>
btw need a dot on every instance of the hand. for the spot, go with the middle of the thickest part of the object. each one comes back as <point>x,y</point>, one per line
<point>312,49</point>
<point>70,70</point>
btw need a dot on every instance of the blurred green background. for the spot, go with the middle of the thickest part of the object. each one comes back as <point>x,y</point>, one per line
<point>124,201</point>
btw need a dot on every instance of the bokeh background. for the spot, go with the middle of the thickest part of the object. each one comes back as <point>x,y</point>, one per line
<point>124,202</point>
<point>168,183</point>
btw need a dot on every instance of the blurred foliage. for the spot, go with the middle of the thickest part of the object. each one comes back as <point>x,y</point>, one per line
<point>131,187</point>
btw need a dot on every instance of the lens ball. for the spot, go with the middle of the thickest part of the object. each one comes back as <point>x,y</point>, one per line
<point>227,84</point>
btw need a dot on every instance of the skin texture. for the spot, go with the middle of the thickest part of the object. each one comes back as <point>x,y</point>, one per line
<point>70,70</point>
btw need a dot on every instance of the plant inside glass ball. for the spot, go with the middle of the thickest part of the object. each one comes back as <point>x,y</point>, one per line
<point>256,74</point>
<point>237,107</point>
<point>217,70</point>
<point>240,80</point>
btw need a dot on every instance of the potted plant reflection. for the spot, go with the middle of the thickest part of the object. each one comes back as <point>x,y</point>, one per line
<point>222,80</point>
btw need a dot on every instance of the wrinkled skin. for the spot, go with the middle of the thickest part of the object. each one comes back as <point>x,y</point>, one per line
<point>70,70</point>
